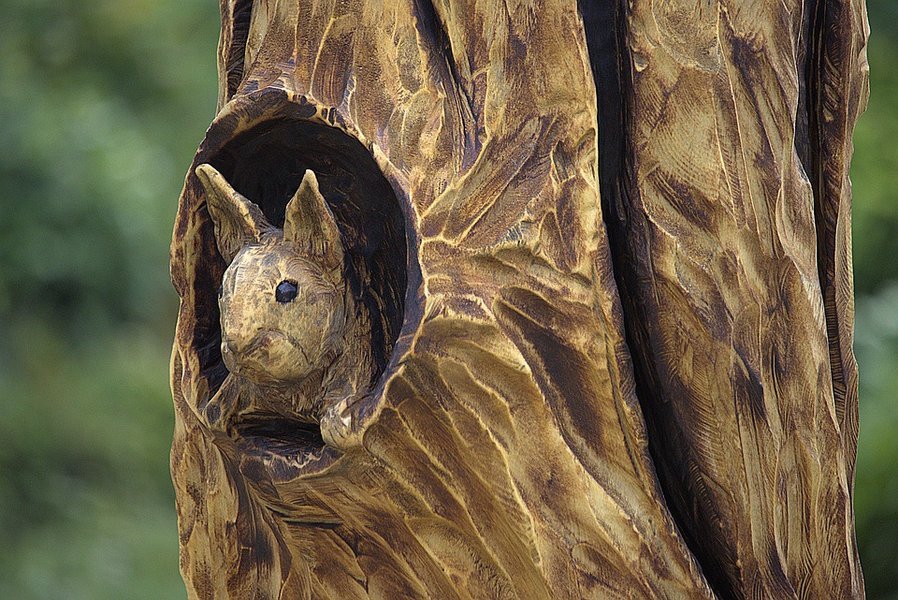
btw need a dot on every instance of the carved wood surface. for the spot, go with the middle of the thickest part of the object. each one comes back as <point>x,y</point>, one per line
<point>510,447</point>
<point>733,238</point>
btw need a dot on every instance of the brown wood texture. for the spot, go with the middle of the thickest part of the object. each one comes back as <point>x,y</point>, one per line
<point>593,281</point>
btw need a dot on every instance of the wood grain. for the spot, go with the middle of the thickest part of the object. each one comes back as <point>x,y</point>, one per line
<point>501,450</point>
<point>732,234</point>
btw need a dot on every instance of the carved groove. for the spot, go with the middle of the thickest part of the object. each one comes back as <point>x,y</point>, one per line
<point>834,83</point>
<point>687,237</point>
<point>240,19</point>
<point>605,27</point>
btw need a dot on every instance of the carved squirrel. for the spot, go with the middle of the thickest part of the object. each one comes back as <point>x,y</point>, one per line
<point>292,333</point>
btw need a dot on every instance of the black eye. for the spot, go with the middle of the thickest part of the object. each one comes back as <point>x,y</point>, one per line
<point>285,291</point>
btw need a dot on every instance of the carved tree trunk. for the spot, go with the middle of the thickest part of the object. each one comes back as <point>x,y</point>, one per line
<point>605,248</point>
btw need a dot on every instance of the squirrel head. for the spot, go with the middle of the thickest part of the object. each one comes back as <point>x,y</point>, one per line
<point>283,298</point>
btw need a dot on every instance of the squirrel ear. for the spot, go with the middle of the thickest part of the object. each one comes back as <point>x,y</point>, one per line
<point>310,224</point>
<point>237,221</point>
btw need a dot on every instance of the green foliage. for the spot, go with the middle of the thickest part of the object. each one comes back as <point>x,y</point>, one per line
<point>875,231</point>
<point>876,487</point>
<point>101,106</point>
<point>876,157</point>
<point>86,503</point>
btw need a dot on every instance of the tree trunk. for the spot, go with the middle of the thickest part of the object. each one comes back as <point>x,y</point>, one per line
<point>603,252</point>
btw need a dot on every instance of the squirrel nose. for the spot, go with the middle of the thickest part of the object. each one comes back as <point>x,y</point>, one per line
<point>234,338</point>
<point>243,343</point>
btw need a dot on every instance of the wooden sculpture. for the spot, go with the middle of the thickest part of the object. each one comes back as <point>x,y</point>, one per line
<point>521,300</point>
<point>293,335</point>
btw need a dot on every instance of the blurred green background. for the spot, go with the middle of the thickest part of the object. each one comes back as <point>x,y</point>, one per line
<point>102,105</point>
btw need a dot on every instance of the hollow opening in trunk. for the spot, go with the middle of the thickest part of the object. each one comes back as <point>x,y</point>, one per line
<point>266,164</point>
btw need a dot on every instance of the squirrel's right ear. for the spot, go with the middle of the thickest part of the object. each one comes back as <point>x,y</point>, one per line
<point>237,221</point>
<point>310,223</point>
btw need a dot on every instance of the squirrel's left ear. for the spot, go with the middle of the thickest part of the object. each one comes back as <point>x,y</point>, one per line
<point>238,222</point>
<point>310,223</point>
